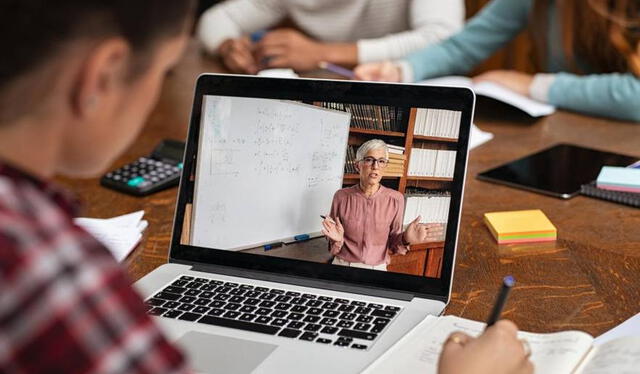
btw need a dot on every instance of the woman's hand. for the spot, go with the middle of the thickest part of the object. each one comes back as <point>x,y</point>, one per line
<point>513,80</point>
<point>333,230</point>
<point>423,233</point>
<point>237,56</point>
<point>378,71</point>
<point>497,351</point>
<point>287,48</point>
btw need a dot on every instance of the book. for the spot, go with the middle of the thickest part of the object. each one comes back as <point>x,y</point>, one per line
<point>619,179</point>
<point>521,226</point>
<point>559,352</point>
<point>625,198</point>
<point>497,92</point>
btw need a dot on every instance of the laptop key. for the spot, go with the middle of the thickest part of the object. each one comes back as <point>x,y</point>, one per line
<point>340,343</point>
<point>267,304</point>
<point>283,306</point>
<point>186,278</point>
<point>357,334</point>
<point>251,302</point>
<point>358,303</point>
<point>283,298</point>
<point>308,336</point>
<point>167,296</point>
<point>295,325</point>
<point>174,289</point>
<point>157,311</point>
<point>207,295</point>
<point>364,319</point>
<point>192,292</point>
<point>246,286</point>
<point>329,330</point>
<point>187,299</point>
<point>309,296</point>
<point>263,311</point>
<point>279,322</point>
<point>376,329</point>
<point>222,296</point>
<point>295,316</point>
<point>311,319</point>
<point>216,282</point>
<point>348,316</point>
<point>328,321</point>
<point>238,291</point>
<point>279,314</point>
<point>324,341</point>
<point>172,314</point>
<point>247,309</point>
<point>252,294</point>
<point>362,326</point>
<point>247,317</point>
<point>201,310</point>
<point>277,291</point>
<point>345,324</point>
<point>216,312</point>
<point>330,305</point>
<point>231,314</point>
<point>290,333</point>
<point>299,309</point>
<point>201,302</point>
<point>292,293</point>
<point>315,311</point>
<point>341,301</point>
<point>263,319</point>
<point>208,287</point>
<point>194,285</point>
<point>298,300</point>
<point>375,306</point>
<point>240,325</point>
<point>188,316</point>
<point>232,306</point>
<point>179,283</point>
<point>392,308</point>
<point>261,289</point>
<point>201,280</point>
<point>358,346</point>
<point>237,299</point>
<point>312,327</point>
<point>380,321</point>
<point>363,310</point>
<point>186,307</point>
<point>268,296</point>
<point>383,313</point>
<point>155,302</point>
<point>231,284</point>
<point>346,308</point>
<point>217,304</point>
<point>331,313</point>
<point>171,304</point>
<point>314,303</point>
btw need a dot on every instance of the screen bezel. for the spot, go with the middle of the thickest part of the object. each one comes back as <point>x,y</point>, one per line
<point>435,97</point>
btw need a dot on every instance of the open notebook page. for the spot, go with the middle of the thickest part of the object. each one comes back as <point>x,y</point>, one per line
<point>495,91</point>
<point>620,356</point>
<point>419,350</point>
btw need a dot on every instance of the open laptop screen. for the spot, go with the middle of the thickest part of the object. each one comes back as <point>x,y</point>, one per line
<point>324,180</point>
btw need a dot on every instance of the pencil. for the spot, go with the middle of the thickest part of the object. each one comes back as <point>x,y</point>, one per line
<point>337,69</point>
<point>507,283</point>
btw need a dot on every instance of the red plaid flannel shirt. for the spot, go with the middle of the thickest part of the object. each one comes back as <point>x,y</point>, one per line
<point>66,306</point>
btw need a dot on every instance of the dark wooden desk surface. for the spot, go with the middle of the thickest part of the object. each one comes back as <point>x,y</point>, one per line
<point>588,280</point>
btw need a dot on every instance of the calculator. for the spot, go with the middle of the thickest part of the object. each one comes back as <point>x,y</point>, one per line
<point>150,174</point>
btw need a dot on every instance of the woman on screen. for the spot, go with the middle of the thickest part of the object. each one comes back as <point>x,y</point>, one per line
<point>365,223</point>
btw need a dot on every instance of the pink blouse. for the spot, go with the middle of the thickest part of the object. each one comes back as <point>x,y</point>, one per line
<point>372,225</point>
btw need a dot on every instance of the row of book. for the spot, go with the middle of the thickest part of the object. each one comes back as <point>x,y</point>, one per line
<point>432,163</point>
<point>395,167</point>
<point>437,123</point>
<point>433,207</point>
<point>371,117</point>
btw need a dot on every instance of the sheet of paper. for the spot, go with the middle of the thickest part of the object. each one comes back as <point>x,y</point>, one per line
<point>278,73</point>
<point>495,91</point>
<point>478,137</point>
<point>621,356</point>
<point>118,234</point>
<point>627,328</point>
<point>419,350</point>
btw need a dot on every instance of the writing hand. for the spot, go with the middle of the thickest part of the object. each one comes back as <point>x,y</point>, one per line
<point>378,71</point>
<point>497,351</point>
<point>513,80</point>
<point>237,56</point>
<point>287,48</point>
<point>417,232</point>
<point>333,230</point>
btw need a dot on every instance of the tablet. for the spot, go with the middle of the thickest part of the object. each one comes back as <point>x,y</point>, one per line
<point>557,171</point>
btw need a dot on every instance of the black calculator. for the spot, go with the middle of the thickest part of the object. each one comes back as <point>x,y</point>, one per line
<point>147,175</point>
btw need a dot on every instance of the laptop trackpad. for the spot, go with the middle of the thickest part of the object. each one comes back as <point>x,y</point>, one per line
<point>211,353</point>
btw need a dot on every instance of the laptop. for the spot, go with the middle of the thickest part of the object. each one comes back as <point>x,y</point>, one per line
<point>250,285</point>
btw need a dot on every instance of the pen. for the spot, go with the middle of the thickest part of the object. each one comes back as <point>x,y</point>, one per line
<point>272,245</point>
<point>325,217</point>
<point>337,69</point>
<point>507,283</point>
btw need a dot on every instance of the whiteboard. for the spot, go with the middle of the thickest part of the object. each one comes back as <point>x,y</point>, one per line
<point>265,170</point>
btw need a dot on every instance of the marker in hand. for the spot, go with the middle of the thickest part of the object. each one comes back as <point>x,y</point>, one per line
<point>325,217</point>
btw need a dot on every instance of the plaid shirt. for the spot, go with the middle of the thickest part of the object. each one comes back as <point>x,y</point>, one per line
<point>65,304</point>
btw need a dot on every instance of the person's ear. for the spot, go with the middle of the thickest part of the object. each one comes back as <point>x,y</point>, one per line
<point>100,74</point>
<point>357,165</point>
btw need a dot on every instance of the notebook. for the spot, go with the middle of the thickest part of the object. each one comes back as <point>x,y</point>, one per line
<point>560,352</point>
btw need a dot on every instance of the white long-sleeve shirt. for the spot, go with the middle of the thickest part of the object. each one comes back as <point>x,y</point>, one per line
<point>383,29</point>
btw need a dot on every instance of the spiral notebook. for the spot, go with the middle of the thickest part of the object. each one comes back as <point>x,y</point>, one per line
<point>626,198</point>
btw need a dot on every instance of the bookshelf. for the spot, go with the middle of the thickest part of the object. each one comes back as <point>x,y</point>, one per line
<point>422,259</point>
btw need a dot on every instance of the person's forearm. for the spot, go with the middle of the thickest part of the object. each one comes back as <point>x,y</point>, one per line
<point>607,95</point>
<point>339,53</point>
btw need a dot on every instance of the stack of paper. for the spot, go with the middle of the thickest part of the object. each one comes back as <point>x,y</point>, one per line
<point>119,234</point>
<point>523,226</point>
<point>619,179</point>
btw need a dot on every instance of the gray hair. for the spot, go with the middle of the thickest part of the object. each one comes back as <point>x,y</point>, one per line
<point>371,145</point>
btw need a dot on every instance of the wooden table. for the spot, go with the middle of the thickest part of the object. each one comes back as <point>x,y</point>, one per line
<point>588,280</point>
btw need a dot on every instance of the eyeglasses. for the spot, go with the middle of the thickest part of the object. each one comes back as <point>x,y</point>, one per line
<point>369,161</point>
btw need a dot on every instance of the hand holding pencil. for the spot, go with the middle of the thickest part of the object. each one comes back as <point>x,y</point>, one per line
<point>333,230</point>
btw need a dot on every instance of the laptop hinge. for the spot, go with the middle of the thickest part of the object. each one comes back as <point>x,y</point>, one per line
<point>300,281</point>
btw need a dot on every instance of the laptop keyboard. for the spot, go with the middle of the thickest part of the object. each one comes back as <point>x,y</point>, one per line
<point>304,316</point>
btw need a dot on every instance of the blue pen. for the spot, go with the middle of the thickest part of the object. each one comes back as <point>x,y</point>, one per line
<point>257,36</point>
<point>272,245</point>
<point>507,284</point>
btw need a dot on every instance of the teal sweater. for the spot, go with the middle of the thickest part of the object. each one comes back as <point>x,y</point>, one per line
<point>615,95</point>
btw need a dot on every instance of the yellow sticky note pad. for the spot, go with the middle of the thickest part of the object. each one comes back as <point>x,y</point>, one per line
<point>522,226</point>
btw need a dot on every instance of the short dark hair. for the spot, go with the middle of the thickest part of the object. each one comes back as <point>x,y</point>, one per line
<point>33,31</point>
